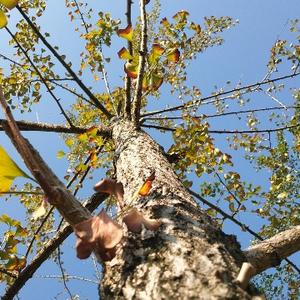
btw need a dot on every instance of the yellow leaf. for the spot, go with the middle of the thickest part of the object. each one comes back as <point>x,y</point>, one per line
<point>9,170</point>
<point>3,19</point>
<point>10,4</point>
<point>124,54</point>
<point>126,33</point>
<point>41,211</point>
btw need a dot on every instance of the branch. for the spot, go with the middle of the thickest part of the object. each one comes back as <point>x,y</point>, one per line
<point>142,62</point>
<point>240,224</point>
<point>44,127</point>
<point>127,107</point>
<point>48,249</point>
<point>41,76</point>
<point>54,189</point>
<point>237,112</point>
<point>200,101</point>
<point>228,131</point>
<point>65,65</point>
<point>270,252</point>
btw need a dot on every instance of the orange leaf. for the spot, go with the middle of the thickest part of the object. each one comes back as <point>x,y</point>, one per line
<point>173,56</point>
<point>126,33</point>
<point>146,187</point>
<point>124,54</point>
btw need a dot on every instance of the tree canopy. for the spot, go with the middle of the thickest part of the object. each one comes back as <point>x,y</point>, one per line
<point>70,70</point>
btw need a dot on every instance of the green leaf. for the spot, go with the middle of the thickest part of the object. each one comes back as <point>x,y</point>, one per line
<point>60,154</point>
<point>9,170</point>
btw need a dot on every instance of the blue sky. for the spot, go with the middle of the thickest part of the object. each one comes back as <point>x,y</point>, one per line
<point>243,57</point>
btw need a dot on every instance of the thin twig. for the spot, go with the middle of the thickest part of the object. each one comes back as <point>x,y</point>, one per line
<point>12,61</point>
<point>228,131</point>
<point>64,278</point>
<point>142,62</point>
<point>275,99</point>
<point>41,77</point>
<point>238,112</point>
<point>201,101</point>
<point>81,17</point>
<point>67,277</point>
<point>65,65</point>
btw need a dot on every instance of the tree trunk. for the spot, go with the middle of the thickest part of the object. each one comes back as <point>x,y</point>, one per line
<point>188,257</point>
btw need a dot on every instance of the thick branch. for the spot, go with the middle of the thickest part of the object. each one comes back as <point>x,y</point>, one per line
<point>270,252</point>
<point>44,127</point>
<point>65,65</point>
<point>54,189</point>
<point>142,62</point>
<point>48,249</point>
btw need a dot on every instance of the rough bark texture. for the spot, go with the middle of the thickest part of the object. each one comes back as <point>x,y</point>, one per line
<point>188,257</point>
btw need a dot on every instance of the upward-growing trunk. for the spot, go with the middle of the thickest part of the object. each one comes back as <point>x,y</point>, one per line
<point>188,257</point>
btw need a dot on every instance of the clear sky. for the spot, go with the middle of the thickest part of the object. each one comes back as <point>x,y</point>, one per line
<point>243,57</point>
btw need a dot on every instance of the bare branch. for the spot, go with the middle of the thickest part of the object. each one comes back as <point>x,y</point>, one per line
<point>142,62</point>
<point>249,87</point>
<point>270,252</point>
<point>228,131</point>
<point>44,127</point>
<point>217,115</point>
<point>65,65</point>
<point>64,278</point>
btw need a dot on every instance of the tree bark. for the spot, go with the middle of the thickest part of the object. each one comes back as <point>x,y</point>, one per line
<point>188,257</point>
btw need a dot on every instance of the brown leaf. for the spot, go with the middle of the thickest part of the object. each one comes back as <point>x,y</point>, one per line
<point>135,219</point>
<point>110,186</point>
<point>99,234</point>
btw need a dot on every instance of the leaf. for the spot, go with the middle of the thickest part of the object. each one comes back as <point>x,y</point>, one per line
<point>131,69</point>
<point>9,170</point>
<point>156,52</point>
<point>135,221</point>
<point>173,55</point>
<point>124,54</point>
<point>99,234</point>
<point>10,4</point>
<point>41,211</point>
<point>126,33</point>
<point>146,187</point>
<point>60,154</point>
<point>3,19</point>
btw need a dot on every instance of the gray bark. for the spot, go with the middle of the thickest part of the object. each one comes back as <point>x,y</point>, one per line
<point>188,257</point>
